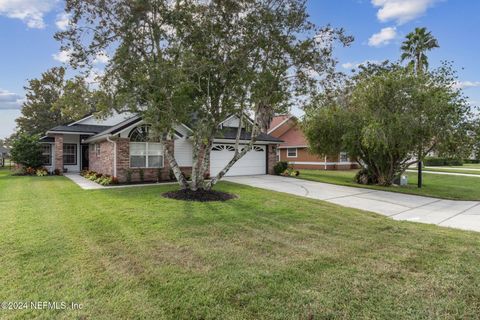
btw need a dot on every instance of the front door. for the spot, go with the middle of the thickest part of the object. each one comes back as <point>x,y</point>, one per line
<point>85,157</point>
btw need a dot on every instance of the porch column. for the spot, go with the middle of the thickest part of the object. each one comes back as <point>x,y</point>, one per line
<point>271,157</point>
<point>59,152</point>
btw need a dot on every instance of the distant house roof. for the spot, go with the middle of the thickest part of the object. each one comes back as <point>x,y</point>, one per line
<point>278,120</point>
<point>80,128</point>
<point>3,151</point>
<point>291,133</point>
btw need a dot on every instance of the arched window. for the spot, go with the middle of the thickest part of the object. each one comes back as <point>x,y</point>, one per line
<point>140,134</point>
<point>144,154</point>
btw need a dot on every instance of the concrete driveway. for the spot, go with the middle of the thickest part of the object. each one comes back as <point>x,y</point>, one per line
<point>447,213</point>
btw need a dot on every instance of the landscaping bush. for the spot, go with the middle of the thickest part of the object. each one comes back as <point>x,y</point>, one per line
<point>280,167</point>
<point>102,179</point>
<point>471,161</point>
<point>26,151</point>
<point>42,172</point>
<point>129,175</point>
<point>290,172</point>
<point>439,162</point>
<point>365,177</point>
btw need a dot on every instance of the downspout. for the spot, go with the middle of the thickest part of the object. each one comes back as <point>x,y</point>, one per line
<point>114,156</point>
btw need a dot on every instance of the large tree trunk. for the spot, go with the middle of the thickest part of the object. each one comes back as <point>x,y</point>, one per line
<point>168,145</point>
<point>195,164</point>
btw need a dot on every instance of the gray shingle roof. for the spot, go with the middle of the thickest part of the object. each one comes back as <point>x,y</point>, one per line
<point>88,128</point>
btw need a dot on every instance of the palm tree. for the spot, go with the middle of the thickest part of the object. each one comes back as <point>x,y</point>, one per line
<point>415,47</point>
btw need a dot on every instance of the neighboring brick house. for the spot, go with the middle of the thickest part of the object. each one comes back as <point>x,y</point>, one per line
<point>119,146</point>
<point>294,147</point>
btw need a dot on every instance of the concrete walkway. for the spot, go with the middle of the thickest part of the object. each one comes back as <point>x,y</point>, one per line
<point>448,213</point>
<point>86,184</point>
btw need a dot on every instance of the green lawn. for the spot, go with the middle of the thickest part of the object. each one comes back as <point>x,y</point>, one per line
<point>131,254</point>
<point>435,185</point>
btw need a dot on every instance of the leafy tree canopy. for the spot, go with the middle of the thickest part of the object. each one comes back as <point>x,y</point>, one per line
<point>197,62</point>
<point>26,151</point>
<point>386,115</point>
<point>53,100</point>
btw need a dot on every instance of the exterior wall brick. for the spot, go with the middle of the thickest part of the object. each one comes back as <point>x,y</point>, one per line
<point>59,152</point>
<point>150,174</point>
<point>102,163</point>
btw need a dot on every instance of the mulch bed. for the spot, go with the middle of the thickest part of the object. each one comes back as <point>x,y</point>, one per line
<point>199,195</point>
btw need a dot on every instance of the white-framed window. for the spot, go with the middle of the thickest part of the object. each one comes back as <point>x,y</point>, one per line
<point>97,149</point>
<point>146,155</point>
<point>344,157</point>
<point>69,154</point>
<point>47,154</point>
<point>291,152</point>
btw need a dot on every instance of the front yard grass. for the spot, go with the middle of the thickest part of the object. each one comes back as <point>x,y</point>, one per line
<point>131,254</point>
<point>434,185</point>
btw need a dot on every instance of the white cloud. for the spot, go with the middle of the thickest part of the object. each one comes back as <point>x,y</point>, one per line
<point>62,56</point>
<point>352,65</point>
<point>30,12</point>
<point>62,21</point>
<point>467,84</point>
<point>94,76</point>
<point>383,37</point>
<point>101,57</point>
<point>401,11</point>
<point>10,100</point>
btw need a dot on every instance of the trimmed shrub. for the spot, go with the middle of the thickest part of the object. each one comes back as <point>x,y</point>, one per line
<point>471,161</point>
<point>439,162</point>
<point>280,167</point>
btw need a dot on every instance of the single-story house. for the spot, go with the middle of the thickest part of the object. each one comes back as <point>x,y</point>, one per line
<point>4,154</point>
<point>119,146</point>
<point>294,148</point>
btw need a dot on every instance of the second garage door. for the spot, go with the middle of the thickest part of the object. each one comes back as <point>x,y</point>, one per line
<point>254,162</point>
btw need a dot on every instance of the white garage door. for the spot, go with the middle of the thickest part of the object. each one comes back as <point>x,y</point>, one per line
<point>254,162</point>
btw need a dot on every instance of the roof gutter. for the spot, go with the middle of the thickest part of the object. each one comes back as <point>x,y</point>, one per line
<point>69,132</point>
<point>97,138</point>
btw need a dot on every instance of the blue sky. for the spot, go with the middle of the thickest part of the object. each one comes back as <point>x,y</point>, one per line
<point>28,47</point>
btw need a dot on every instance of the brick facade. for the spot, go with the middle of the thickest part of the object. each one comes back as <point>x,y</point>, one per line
<point>150,174</point>
<point>104,162</point>
<point>101,162</point>
<point>303,155</point>
<point>59,152</point>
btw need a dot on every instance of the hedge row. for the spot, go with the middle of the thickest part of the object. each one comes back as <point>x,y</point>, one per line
<point>439,162</point>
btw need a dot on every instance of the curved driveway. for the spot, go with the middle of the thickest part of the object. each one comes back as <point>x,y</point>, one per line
<point>447,213</point>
